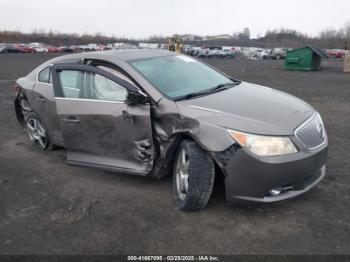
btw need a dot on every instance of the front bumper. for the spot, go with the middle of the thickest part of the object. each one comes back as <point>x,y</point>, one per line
<point>250,178</point>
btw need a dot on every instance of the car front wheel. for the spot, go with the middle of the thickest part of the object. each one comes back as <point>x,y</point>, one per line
<point>193,176</point>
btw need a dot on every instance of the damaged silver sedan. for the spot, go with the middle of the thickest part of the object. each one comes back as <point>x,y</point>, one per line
<point>154,113</point>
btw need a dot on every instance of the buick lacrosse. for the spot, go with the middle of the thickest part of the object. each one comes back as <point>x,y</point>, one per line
<point>154,113</point>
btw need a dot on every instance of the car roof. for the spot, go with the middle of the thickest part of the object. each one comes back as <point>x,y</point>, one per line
<point>116,56</point>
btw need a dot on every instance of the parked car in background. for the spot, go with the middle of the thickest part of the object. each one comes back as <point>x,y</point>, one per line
<point>186,49</point>
<point>212,53</point>
<point>52,49</point>
<point>1,46</point>
<point>34,44</point>
<point>278,53</point>
<point>66,49</point>
<point>336,53</point>
<point>40,49</point>
<point>101,48</point>
<point>123,46</point>
<point>156,113</point>
<point>89,47</point>
<point>257,54</point>
<point>225,54</point>
<point>25,48</point>
<point>9,48</point>
<point>193,51</point>
<point>265,53</point>
<point>201,53</point>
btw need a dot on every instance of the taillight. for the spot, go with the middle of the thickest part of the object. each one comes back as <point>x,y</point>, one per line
<point>17,88</point>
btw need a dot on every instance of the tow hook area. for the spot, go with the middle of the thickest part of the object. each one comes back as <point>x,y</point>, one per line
<point>223,157</point>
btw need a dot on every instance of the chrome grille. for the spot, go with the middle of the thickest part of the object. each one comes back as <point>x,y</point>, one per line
<point>311,133</point>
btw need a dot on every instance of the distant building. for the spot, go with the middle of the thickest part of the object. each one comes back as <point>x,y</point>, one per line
<point>149,45</point>
<point>243,35</point>
<point>198,38</point>
<point>119,44</point>
<point>218,37</point>
<point>188,37</point>
<point>246,33</point>
<point>123,45</point>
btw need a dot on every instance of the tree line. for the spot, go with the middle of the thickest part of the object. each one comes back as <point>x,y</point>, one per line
<point>58,39</point>
<point>330,39</point>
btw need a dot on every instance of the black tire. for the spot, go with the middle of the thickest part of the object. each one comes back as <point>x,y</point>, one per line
<point>43,144</point>
<point>278,57</point>
<point>201,175</point>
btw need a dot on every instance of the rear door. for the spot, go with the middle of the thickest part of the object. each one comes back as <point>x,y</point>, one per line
<point>98,127</point>
<point>44,103</point>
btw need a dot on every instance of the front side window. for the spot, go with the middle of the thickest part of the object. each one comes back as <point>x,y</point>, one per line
<point>45,75</point>
<point>103,88</point>
<point>87,85</point>
<point>116,73</point>
<point>178,76</point>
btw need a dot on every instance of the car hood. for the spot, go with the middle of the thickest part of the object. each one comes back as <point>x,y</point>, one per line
<point>249,108</point>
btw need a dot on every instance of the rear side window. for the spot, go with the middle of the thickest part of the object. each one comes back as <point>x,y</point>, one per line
<point>86,85</point>
<point>45,75</point>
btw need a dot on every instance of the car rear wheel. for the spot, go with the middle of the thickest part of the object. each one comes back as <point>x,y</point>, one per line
<point>38,133</point>
<point>193,176</point>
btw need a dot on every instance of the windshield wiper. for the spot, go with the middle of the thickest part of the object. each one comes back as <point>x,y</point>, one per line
<point>222,86</point>
<point>216,88</point>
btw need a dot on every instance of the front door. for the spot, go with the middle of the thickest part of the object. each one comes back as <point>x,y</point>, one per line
<point>98,127</point>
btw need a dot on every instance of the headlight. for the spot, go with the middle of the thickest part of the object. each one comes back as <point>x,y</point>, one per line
<point>264,145</point>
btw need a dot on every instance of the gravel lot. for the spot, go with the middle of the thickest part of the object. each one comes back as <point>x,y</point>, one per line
<point>49,207</point>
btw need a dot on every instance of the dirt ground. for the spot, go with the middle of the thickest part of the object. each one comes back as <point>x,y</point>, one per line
<point>49,207</point>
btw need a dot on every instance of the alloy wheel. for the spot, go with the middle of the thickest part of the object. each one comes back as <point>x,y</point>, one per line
<point>182,174</point>
<point>37,132</point>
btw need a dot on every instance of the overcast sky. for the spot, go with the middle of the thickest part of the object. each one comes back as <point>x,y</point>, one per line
<point>142,18</point>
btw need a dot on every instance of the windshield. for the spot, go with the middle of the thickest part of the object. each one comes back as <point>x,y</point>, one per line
<point>178,76</point>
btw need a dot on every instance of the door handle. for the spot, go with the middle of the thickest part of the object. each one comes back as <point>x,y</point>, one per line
<point>41,99</point>
<point>71,119</point>
<point>127,117</point>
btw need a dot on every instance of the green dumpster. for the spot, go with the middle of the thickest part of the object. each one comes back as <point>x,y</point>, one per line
<point>305,58</point>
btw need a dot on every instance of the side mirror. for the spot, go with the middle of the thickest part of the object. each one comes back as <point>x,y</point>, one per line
<point>136,98</point>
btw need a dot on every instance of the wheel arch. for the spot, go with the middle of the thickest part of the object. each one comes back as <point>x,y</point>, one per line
<point>219,173</point>
<point>166,160</point>
<point>21,103</point>
<point>220,158</point>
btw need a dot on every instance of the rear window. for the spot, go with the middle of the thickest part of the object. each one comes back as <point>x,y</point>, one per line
<point>45,75</point>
